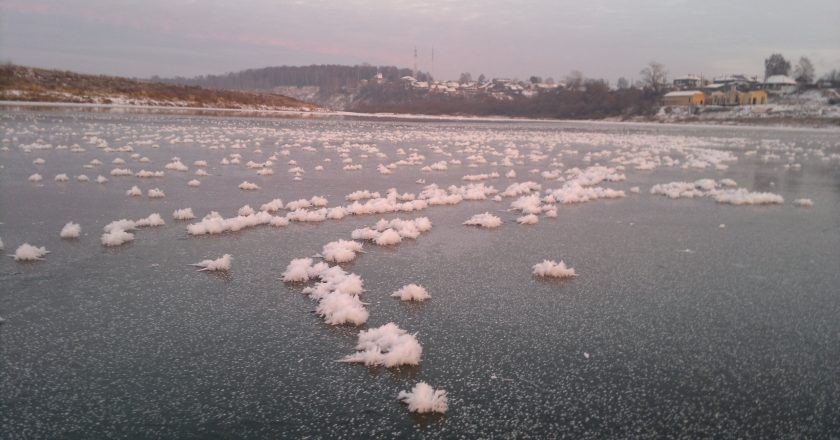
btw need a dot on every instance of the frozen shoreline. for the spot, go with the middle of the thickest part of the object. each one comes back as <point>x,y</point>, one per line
<point>737,124</point>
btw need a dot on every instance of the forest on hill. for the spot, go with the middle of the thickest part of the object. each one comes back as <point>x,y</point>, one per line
<point>19,83</point>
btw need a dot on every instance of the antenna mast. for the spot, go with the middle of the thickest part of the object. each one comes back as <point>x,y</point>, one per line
<point>415,61</point>
<point>433,61</point>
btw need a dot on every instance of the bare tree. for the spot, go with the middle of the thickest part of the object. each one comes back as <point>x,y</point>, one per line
<point>776,65</point>
<point>623,83</point>
<point>535,79</point>
<point>466,77</point>
<point>832,76</point>
<point>804,71</point>
<point>654,77</point>
<point>574,80</point>
<point>482,79</point>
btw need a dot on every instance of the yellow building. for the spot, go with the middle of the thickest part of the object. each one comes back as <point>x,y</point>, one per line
<point>718,98</point>
<point>754,97</point>
<point>688,97</point>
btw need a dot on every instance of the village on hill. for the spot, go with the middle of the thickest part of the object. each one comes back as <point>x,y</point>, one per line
<point>783,92</point>
<point>685,90</point>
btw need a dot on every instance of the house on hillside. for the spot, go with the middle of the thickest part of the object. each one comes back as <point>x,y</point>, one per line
<point>470,88</point>
<point>780,85</point>
<point>740,81</point>
<point>684,98</point>
<point>442,88</point>
<point>688,82</point>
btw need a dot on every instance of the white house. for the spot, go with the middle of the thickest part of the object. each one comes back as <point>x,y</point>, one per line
<point>688,82</point>
<point>780,85</point>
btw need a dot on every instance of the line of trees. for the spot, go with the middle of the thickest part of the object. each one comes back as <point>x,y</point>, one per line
<point>330,78</point>
<point>803,72</point>
<point>585,99</point>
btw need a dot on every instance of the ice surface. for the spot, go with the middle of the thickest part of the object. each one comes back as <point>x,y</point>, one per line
<point>243,354</point>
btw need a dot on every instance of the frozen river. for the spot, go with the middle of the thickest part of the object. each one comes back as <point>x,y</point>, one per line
<point>694,313</point>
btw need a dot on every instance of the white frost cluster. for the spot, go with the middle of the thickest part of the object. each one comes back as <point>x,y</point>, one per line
<point>424,399</point>
<point>574,192</point>
<point>219,264</point>
<point>214,223</point>
<point>303,215</point>
<point>485,220</point>
<point>272,206</point>
<point>677,190</point>
<point>246,211</point>
<point>527,204</point>
<point>116,237</point>
<point>341,251</point>
<point>116,232</point>
<point>530,219</point>
<point>337,292</point>
<point>388,237</point>
<point>333,280</point>
<point>741,196</point>
<point>156,193</point>
<point>338,309</point>
<point>387,233</point>
<point>710,188</point>
<point>388,346</point>
<point>554,269</point>
<point>71,230</point>
<point>148,174</point>
<point>412,292</point>
<point>299,270</point>
<point>183,214</point>
<point>517,189</point>
<point>176,165</point>
<point>27,252</point>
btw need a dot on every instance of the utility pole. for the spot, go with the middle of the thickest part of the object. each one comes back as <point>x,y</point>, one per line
<point>415,62</point>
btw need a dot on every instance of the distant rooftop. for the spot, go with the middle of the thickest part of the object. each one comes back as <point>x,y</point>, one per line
<point>735,77</point>
<point>780,79</point>
<point>684,93</point>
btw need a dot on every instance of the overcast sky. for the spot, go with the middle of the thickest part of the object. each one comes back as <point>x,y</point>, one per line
<point>601,38</point>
